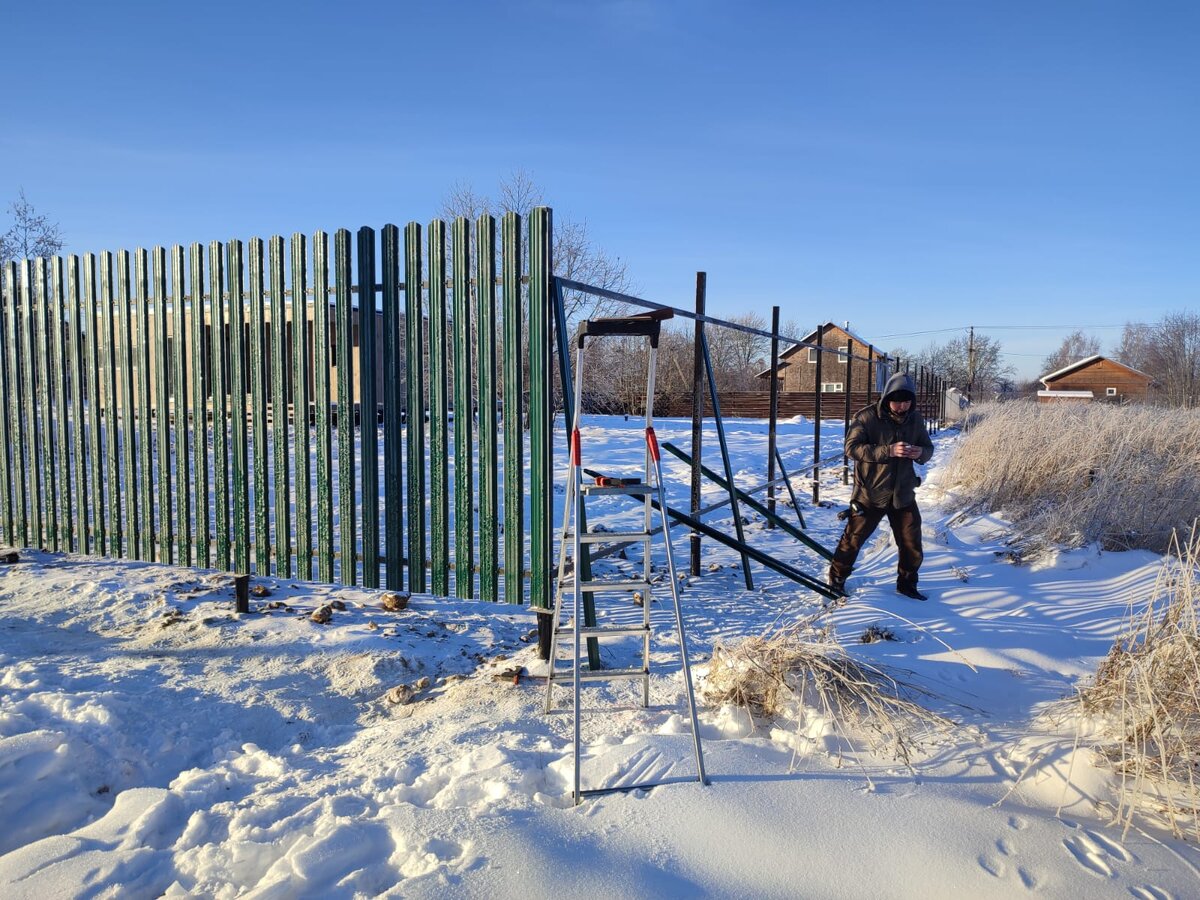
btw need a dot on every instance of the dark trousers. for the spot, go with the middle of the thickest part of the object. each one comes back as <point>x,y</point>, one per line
<point>906,527</point>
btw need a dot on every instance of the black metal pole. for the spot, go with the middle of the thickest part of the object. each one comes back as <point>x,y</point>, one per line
<point>733,501</point>
<point>846,419</point>
<point>773,418</point>
<point>870,372</point>
<point>816,474</point>
<point>697,415</point>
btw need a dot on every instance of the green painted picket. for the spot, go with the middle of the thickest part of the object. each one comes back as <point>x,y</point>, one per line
<point>439,411</point>
<point>464,478</point>
<point>180,406</point>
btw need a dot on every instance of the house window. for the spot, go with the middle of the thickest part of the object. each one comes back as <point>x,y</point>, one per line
<point>843,353</point>
<point>831,387</point>
<point>1112,392</point>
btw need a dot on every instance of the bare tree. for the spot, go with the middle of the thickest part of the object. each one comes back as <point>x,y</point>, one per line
<point>1075,346</point>
<point>31,235</point>
<point>1168,351</point>
<point>738,357</point>
<point>952,361</point>
<point>575,255</point>
<point>1135,347</point>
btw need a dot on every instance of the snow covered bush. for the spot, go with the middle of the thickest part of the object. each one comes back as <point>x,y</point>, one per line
<point>1145,702</point>
<point>1125,476</point>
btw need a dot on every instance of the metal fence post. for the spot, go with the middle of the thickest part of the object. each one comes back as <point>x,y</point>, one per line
<point>697,414</point>
<point>541,413</point>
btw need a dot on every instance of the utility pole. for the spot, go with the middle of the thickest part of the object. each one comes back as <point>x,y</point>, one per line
<point>971,364</point>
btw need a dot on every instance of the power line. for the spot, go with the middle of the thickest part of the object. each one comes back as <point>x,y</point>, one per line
<point>1011,328</point>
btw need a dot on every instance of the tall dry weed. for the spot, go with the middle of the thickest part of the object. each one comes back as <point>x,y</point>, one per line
<point>1145,701</point>
<point>1124,476</point>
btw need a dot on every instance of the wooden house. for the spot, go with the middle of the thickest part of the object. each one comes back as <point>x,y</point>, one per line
<point>1095,378</point>
<point>840,346</point>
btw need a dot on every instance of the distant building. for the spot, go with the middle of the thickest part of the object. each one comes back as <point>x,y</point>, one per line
<point>1095,378</point>
<point>956,405</point>
<point>798,364</point>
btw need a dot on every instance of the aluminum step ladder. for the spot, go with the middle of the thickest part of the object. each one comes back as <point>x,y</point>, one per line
<point>571,576</point>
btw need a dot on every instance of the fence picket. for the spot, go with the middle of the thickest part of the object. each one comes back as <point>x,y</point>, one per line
<point>183,478</point>
<point>201,380</point>
<point>464,479</point>
<point>79,429</point>
<point>540,415</point>
<point>45,367</point>
<point>23,430</point>
<point>219,381</point>
<point>514,438</point>
<point>258,403</point>
<point>279,413</point>
<point>61,377</point>
<point>345,406</point>
<point>142,409</point>
<point>300,407</point>
<point>127,404</point>
<point>368,422</point>
<point>414,365</point>
<point>321,400</point>
<point>240,463</point>
<point>92,324</point>
<point>439,464</point>
<point>485,331</point>
<point>162,407</point>
<point>258,408</point>
<point>7,522</point>
<point>393,400</point>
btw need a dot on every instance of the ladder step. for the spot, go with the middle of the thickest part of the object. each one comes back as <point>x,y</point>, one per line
<point>639,490</point>
<point>611,630</point>
<point>613,674</point>
<point>600,675</point>
<point>594,586</point>
<point>612,537</point>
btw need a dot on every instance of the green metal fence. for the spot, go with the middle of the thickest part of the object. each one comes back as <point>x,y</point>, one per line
<point>283,413</point>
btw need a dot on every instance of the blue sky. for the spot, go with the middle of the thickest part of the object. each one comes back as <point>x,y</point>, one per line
<point>908,167</point>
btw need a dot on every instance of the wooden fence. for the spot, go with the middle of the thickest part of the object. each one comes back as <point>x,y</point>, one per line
<point>186,406</point>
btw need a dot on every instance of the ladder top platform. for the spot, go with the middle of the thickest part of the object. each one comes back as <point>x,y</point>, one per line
<point>647,324</point>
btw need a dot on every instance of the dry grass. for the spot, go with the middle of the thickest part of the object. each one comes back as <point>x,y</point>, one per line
<point>1145,701</point>
<point>1123,476</point>
<point>802,672</point>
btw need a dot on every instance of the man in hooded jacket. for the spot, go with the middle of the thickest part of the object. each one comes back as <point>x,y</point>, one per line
<point>884,440</point>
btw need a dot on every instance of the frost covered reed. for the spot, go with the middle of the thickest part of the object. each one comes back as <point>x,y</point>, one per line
<point>1125,476</point>
<point>1145,701</point>
<point>802,672</point>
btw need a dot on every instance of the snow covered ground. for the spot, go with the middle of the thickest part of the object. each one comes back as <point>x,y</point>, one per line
<point>154,742</point>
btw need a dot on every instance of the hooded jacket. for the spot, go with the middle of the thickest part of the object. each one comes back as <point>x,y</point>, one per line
<point>883,480</point>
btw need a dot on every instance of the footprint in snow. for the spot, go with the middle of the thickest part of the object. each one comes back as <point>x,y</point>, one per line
<point>994,863</point>
<point>1150,892</point>
<point>1089,855</point>
<point>1095,851</point>
<point>993,866</point>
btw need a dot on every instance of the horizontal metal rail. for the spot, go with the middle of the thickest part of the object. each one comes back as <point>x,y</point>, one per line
<point>617,296</point>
